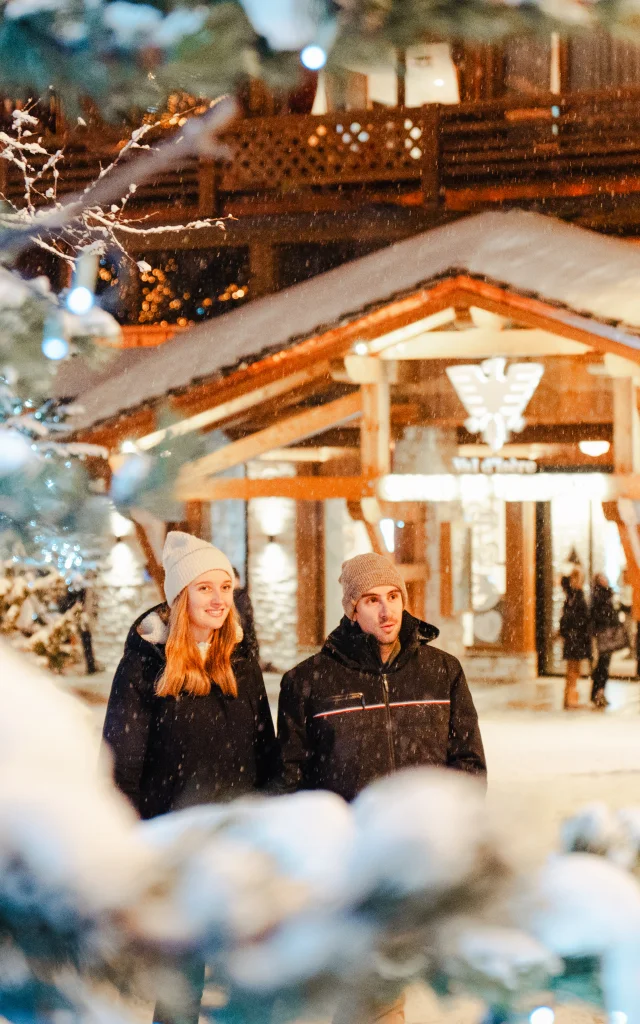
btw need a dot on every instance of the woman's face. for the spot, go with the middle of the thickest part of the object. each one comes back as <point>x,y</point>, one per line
<point>209,600</point>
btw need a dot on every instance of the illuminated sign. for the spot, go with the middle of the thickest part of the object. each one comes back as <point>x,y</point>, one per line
<point>494,399</point>
<point>493,464</point>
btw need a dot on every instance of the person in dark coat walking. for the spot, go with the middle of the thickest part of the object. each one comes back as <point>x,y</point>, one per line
<point>575,630</point>
<point>609,634</point>
<point>188,720</point>
<point>377,697</point>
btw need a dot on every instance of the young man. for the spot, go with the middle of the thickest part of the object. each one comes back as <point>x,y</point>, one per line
<point>377,697</point>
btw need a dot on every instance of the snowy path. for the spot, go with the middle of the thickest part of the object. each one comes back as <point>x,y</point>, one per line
<point>543,764</point>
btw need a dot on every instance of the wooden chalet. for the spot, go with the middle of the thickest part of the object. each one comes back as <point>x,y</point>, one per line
<point>330,403</point>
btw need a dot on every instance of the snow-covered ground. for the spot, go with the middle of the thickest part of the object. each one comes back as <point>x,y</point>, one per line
<point>544,763</point>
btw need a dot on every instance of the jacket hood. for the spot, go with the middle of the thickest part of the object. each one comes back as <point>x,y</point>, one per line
<point>357,649</point>
<point>152,628</point>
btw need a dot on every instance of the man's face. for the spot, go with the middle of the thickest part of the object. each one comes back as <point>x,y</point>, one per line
<point>379,612</point>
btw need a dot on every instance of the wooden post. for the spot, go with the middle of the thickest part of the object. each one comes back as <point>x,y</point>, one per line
<point>430,143</point>
<point>207,188</point>
<point>198,519</point>
<point>446,572</point>
<point>263,269</point>
<point>519,624</point>
<point>375,436</point>
<point>626,426</point>
<point>310,561</point>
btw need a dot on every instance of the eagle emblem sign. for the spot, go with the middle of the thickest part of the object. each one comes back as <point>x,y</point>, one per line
<point>494,399</point>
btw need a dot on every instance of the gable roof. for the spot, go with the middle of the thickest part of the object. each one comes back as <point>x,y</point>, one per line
<point>527,253</point>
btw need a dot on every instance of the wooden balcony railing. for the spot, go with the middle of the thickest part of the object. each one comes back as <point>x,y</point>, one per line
<point>457,157</point>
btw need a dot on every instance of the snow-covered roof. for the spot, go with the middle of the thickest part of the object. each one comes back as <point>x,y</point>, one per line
<point>564,265</point>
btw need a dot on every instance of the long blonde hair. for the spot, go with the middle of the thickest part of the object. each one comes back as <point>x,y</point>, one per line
<point>185,670</point>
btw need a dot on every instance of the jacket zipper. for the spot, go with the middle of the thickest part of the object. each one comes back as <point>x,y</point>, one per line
<point>387,711</point>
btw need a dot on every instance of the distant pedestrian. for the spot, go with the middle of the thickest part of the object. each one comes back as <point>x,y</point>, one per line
<point>609,633</point>
<point>244,609</point>
<point>576,632</point>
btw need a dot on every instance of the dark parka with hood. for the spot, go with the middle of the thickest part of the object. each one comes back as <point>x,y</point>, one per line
<point>575,624</point>
<point>170,752</point>
<point>346,718</point>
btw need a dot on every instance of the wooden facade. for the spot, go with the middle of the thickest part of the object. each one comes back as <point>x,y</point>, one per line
<point>335,413</point>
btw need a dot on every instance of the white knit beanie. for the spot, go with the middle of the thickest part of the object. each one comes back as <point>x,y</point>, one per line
<point>185,558</point>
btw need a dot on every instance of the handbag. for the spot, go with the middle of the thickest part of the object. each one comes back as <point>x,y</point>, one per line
<point>614,638</point>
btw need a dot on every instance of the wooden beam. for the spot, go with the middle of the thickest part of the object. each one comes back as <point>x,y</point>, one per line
<point>235,406</point>
<point>369,512</point>
<point>154,568</point>
<point>324,453</point>
<point>295,428</point>
<point>623,514</point>
<point>316,488</point>
<point>533,312</point>
<point>375,436</point>
<point>481,342</point>
<point>626,426</point>
<point>414,572</point>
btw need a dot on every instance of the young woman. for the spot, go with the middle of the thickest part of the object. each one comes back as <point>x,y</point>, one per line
<point>188,720</point>
<point>576,633</point>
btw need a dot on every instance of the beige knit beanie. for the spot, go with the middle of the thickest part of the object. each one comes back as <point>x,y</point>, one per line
<point>364,572</point>
<point>185,558</point>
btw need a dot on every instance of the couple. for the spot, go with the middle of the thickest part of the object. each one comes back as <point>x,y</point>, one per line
<point>188,719</point>
<point>579,626</point>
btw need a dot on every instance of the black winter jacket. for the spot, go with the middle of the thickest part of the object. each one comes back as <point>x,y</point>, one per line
<point>603,615</point>
<point>575,626</point>
<point>171,753</point>
<point>345,718</point>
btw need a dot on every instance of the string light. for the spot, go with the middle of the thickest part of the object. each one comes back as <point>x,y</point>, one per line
<point>313,57</point>
<point>542,1015</point>
<point>54,344</point>
<point>80,298</point>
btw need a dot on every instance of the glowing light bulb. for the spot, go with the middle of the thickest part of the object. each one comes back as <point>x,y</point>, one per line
<point>55,348</point>
<point>542,1015</point>
<point>54,344</point>
<point>313,57</point>
<point>594,448</point>
<point>80,300</point>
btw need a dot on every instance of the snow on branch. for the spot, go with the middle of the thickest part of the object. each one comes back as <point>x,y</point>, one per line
<point>299,897</point>
<point>98,214</point>
<point>86,214</point>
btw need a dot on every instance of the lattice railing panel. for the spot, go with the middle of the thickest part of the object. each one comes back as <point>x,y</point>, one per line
<point>293,151</point>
